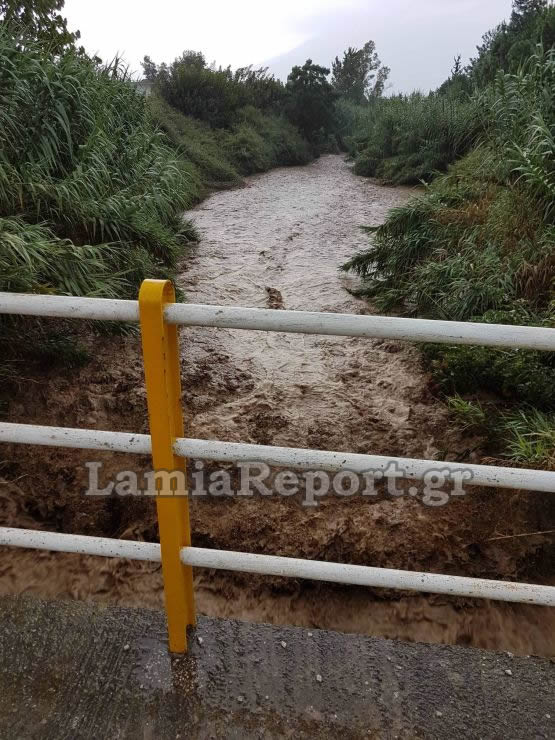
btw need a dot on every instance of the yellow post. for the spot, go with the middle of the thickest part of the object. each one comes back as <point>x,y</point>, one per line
<point>163,388</point>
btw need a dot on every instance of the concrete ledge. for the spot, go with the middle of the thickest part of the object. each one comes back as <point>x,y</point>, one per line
<point>76,670</point>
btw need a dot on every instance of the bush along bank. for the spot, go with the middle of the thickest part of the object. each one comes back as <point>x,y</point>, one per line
<point>479,245</point>
<point>94,180</point>
<point>217,158</point>
<point>407,139</point>
<point>91,193</point>
<point>404,140</point>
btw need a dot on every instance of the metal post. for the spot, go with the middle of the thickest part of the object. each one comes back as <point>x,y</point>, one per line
<point>163,387</point>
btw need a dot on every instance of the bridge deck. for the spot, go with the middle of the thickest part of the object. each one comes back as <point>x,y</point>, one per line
<point>75,670</point>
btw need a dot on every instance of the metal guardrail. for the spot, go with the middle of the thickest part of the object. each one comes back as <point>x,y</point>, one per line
<point>296,322</point>
<point>159,315</point>
<point>490,476</point>
<point>317,570</point>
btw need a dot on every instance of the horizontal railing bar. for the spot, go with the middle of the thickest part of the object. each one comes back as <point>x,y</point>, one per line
<point>305,322</point>
<point>69,307</point>
<point>294,457</point>
<point>298,458</point>
<point>356,575</point>
<point>363,575</point>
<point>352,325</point>
<point>82,544</point>
<point>78,439</point>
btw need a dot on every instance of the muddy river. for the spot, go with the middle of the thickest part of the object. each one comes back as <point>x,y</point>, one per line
<point>277,242</point>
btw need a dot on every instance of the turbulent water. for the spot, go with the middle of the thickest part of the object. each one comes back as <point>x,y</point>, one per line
<point>278,243</point>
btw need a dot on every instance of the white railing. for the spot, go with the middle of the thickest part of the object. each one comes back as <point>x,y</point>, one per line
<point>316,570</point>
<point>490,476</point>
<point>172,314</point>
<point>296,322</point>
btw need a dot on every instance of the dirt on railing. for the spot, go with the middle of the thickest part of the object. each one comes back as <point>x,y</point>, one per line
<point>277,243</point>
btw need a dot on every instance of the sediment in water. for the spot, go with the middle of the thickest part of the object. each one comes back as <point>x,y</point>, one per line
<point>278,243</point>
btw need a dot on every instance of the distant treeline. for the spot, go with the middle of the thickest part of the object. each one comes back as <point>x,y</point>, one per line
<point>219,97</point>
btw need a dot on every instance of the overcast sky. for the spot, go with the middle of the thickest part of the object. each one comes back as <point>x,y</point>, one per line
<point>416,38</point>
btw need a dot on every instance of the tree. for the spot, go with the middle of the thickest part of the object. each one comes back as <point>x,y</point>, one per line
<point>360,74</point>
<point>39,20</point>
<point>525,7</point>
<point>263,90</point>
<point>376,91</point>
<point>311,100</point>
<point>458,85</point>
<point>201,91</point>
<point>150,70</point>
<point>509,45</point>
<point>190,58</point>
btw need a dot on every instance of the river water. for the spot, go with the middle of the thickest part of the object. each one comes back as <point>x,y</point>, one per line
<point>278,242</point>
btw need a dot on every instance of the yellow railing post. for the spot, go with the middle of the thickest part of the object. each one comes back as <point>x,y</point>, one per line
<point>163,388</point>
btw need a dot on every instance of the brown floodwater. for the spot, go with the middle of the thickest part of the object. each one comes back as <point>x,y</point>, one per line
<point>278,242</point>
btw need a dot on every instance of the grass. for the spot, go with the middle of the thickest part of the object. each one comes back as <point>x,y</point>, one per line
<point>407,139</point>
<point>255,142</point>
<point>91,194</point>
<point>198,146</point>
<point>530,437</point>
<point>525,434</point>
<point>404,140</point>
<point>470,413</point>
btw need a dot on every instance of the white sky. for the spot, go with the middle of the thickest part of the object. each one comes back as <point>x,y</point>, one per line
<point>416,38</point>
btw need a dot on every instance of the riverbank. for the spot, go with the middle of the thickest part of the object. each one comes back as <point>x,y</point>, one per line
<point>278,242</point>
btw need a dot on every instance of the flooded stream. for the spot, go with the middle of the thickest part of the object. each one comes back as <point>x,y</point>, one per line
<point>278,243</point>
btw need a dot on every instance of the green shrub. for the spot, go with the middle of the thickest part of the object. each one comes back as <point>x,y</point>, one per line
<point>81,158</point>
<point>521,375</point>
<point>477,245</point>
<point>248,150</point>
<point>530,436</point>
<point>215,96</point>
<point>33,260</point>
<point>471,413</point>
<point>255,142</point>
<point>286,146</point>
<point>91,194</point>
<point>407,139</point>
<point>199,147</point>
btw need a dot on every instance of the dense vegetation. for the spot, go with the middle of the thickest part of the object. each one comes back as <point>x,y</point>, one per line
<point>255,141</point>
<point>91,194</point>
<point>479,243</point>
<point>94,177</point>
<point>258,118</point>
<point>405,139</point>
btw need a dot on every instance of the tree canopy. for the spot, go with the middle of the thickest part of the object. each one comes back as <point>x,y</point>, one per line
<point>40,21</point>
<point>523,7</point>
<point>311,100</point>
<point>360,74</point>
